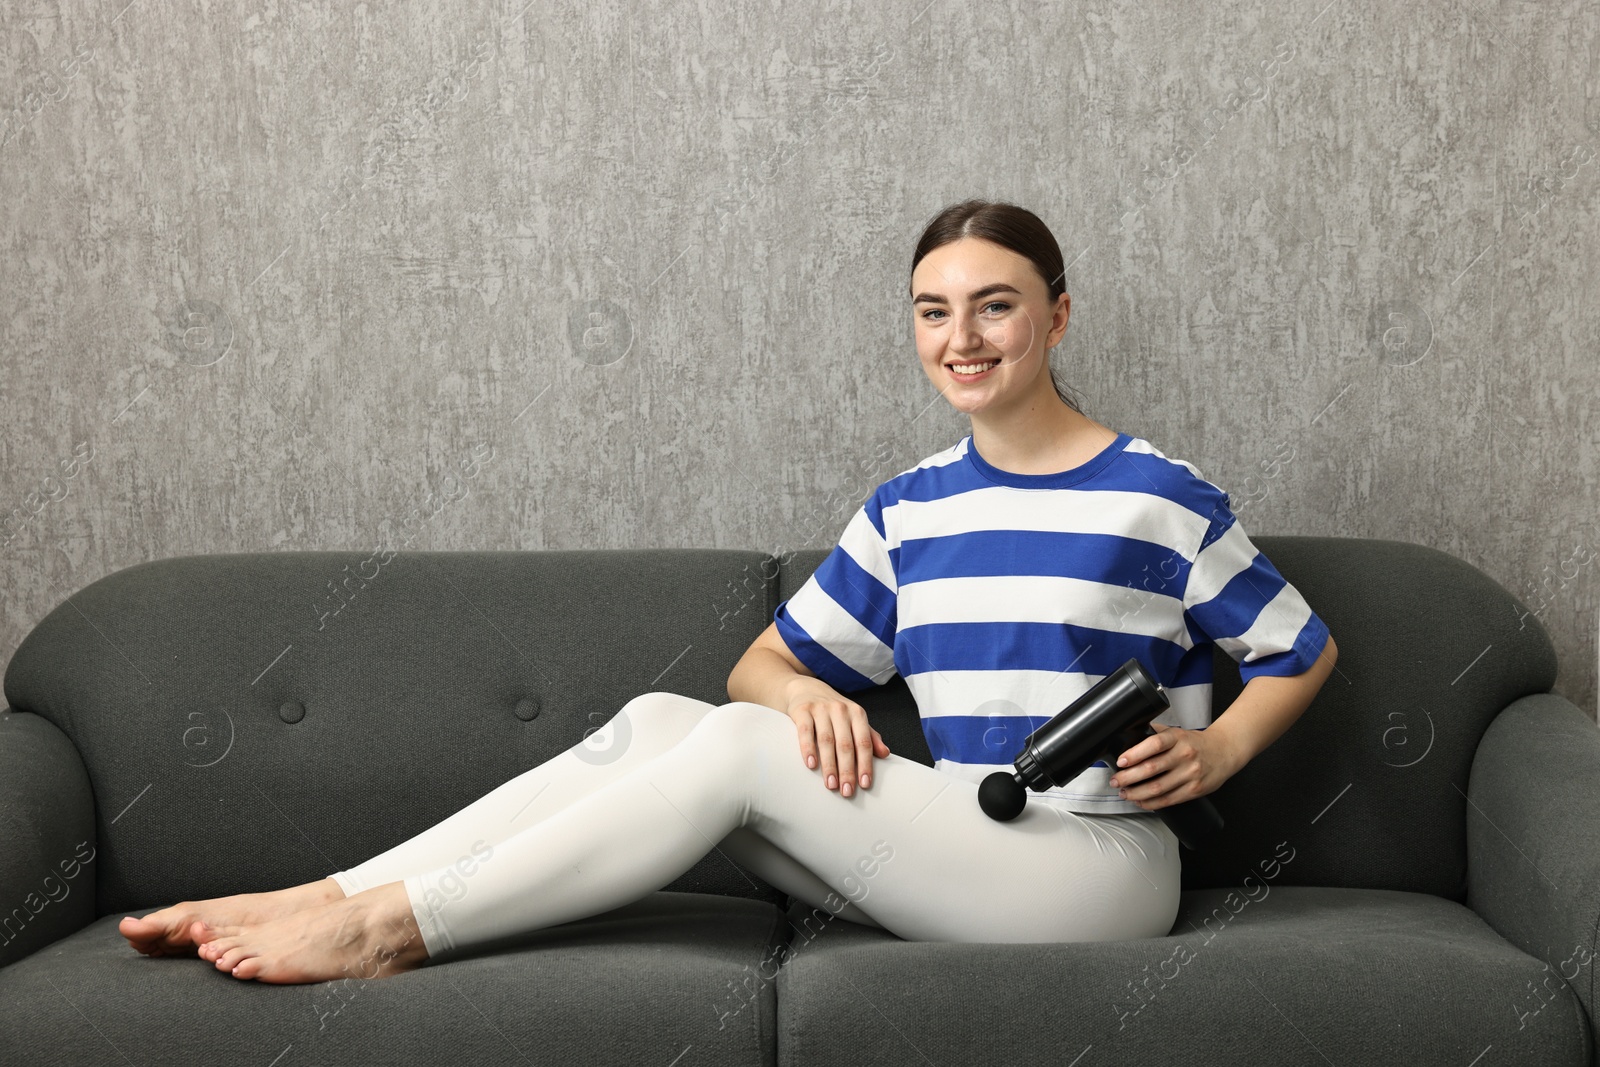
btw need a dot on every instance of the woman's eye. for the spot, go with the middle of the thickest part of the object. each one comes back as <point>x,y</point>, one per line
<point>991,304</point>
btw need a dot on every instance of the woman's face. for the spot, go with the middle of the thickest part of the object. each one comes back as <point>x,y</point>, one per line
<point>975,302</point>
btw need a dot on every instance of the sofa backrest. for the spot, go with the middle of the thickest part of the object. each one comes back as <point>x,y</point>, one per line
<point>259,719</point>
<point>250,721</point>
<point>1368,788</point>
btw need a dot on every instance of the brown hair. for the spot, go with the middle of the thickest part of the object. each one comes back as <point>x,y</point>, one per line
<point>1008,226</point>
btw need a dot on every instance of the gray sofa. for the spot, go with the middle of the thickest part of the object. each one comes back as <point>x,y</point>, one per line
<point>1411,873</point>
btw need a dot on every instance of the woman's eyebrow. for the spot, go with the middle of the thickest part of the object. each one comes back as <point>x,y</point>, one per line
<point>998,287</point>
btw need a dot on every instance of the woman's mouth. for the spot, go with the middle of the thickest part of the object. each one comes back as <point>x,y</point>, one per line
<point>971,372</point>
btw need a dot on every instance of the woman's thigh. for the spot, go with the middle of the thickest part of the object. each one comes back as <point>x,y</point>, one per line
<point>917,854</point>
<point>655,722</point>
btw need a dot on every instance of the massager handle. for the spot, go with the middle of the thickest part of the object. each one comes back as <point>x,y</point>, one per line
<point>1195,823</point>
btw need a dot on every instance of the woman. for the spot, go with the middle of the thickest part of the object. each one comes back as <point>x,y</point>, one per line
<point>1001,577</point>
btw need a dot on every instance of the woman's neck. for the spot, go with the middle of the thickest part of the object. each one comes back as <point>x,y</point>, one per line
<point>1046,440</point>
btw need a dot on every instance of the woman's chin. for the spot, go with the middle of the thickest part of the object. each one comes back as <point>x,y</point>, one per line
<point>970,402</point>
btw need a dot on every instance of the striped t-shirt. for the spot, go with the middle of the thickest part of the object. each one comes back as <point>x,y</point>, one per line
<point>1000,598</point>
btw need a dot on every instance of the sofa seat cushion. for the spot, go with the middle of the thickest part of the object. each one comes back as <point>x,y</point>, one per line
<point>1297,975</point>
<point>644,983</point>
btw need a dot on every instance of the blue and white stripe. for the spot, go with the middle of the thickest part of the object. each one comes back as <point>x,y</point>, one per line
<point>1000,598</point>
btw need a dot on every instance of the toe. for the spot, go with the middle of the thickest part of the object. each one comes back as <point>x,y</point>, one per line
<point>206,934</point>
<point>164,925</point>
<point>215,950</point>
<point>248,968</point>
<point>233,957</point>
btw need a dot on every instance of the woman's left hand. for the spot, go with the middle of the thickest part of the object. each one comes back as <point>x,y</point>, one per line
<point>1173,766</point>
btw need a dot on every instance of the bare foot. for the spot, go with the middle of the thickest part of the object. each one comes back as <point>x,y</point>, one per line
<point>171,931</point>
<point>370,935</point>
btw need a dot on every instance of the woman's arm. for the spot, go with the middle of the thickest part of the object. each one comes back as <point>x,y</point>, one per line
<point>1268,705</point>
<point>765,671</point>
<point>832,729</point>
<point>1152,772</point>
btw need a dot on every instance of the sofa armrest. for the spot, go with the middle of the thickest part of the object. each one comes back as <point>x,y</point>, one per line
<point>47,836</point>
<point>1533,837</point>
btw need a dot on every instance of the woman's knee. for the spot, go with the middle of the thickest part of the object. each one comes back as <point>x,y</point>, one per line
<point>650,723</point>
<point>676,712</point>
<point>746,728</point>
<point>671,703</point>
<point>743,716</point>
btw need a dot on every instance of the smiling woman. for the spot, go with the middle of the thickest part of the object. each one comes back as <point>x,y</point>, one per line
<point>985,321</point>
<point>1034,257</point>
<point>1045,536</point>
<point>1002,577</point>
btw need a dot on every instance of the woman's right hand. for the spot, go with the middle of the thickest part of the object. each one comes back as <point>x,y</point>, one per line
<point>834,729</point>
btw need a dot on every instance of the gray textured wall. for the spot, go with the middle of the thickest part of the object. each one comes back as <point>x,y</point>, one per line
<point>277,276</point>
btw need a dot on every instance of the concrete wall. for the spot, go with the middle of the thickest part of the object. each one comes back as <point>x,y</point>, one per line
<point>274,273</point>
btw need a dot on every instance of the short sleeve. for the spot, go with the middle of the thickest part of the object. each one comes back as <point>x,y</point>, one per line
<point>841,622</point>
<point>1236,598</point>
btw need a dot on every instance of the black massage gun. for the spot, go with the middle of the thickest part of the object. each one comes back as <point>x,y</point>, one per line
<point>1112,717</point>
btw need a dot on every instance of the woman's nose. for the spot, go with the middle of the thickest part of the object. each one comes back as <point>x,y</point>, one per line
<point>967,332</point>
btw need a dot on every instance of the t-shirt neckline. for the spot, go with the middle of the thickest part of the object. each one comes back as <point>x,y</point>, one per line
<point>1055,480</point>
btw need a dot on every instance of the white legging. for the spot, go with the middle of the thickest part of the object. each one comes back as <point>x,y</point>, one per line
<point>641,800</point>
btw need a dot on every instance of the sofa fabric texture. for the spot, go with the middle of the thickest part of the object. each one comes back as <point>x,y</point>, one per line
<point>1411,871</point>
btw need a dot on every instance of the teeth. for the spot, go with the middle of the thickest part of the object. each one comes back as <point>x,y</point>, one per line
<point>977,368</point>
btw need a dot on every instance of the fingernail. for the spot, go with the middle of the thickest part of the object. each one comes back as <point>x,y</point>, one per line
<point>832,782</point>
<point>866,780</point>
<point>847,790</point>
